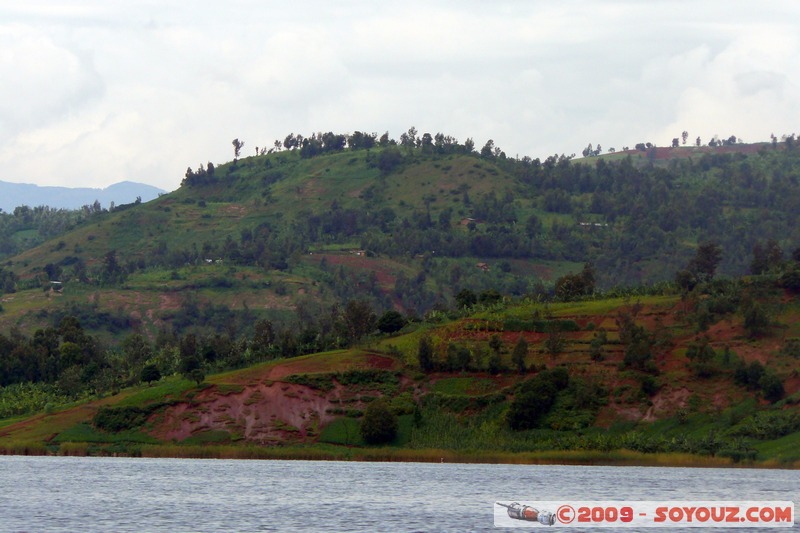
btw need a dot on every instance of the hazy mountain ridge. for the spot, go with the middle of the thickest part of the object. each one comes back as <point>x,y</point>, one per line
<point>13,195</point>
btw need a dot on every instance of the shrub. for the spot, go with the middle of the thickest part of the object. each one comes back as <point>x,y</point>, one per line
<point>116,419</point>
<point>379,425</point>
<point>150,373</point>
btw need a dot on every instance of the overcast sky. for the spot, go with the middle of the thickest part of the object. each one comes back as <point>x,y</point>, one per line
<point>97,92</point>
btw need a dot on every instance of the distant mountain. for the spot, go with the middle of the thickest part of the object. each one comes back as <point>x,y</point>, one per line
<point>16,194</point>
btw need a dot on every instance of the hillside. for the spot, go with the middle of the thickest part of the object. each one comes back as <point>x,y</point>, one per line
<point>656,293</point>
<point>403,227</point>
<point>607,404</point>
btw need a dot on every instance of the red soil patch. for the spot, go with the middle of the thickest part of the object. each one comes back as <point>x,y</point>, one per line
<point>262,413</point>
<point>265,411</point>
<point>666,402</point>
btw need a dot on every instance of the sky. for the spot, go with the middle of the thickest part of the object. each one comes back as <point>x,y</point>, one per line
<point>97,92</point>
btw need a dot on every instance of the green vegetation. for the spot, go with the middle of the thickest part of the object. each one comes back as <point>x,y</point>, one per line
<point>351,291</point>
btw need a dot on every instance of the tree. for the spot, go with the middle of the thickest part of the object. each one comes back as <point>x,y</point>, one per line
<point>425,354</point>
<point>358,318</point>
<point>766,258</point>
<point>379,425</point>
<point>197,375</point>
<point>519,354</point>
<point>534,398</point>
<point>599,340</point>
<point>465,299</point>
<point>573,286</point>
<point>684,136</point>
<point>701,355</point>
<point>757,320</point>
<point>488,149</point>
<point>150,373</point>
<point>705,261</point>
<point>391,321</point>
<point>496,343</point>
<point>554,343</point>
<point>771,387</point>
<point>237,148</point>
<point>112,271</point>
<point>389,159</point>
<point>675,142</point>
<point>137,350</point>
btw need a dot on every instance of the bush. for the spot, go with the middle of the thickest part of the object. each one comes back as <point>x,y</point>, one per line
<point>150,373</point>
<point>116,419</point>
<point>390,322</point>
<point>379,425</point>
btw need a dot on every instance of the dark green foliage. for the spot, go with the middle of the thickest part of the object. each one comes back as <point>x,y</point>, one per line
<point>554,343</point>
<point>358,318</point>
<point>599,340</point>
<point>535,397</point>
<point>458,358</point>
<point>790,280</point>
<point>465,299</point>
<point>364,379</point>
<point>489,297</point>
<point>701,268</point>
<point>115,419</point>
<point>425,354</point>
<point>757,319</point>
<point>150,373</point>
<point>389,159</point>
<point>771,387</point>
<point>540,326</point>
<point>323,382</point>
<point>649,385</point>
<point>573,286</point>
<point>379,425</point>
<point>197,375</point>
<point>390,322</point>
<point>638,342</point>
<point>755,377</point>
<point>767,425</point>
<point>701,356</point>
<point>519,354</point>
<point>496,343</point>
<point>766,258</point>
<point>495,364</point>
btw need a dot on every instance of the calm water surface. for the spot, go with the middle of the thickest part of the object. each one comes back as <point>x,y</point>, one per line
<point>116,494</point>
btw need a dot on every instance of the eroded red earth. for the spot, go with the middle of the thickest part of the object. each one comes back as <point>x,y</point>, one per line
<point>266,410</point>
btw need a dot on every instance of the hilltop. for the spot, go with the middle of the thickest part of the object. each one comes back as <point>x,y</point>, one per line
<point>404,226</point>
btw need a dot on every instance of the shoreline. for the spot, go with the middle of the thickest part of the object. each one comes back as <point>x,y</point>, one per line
<point>337,453</point>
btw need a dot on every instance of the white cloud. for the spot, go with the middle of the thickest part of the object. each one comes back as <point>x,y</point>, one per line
<point>102,91</point>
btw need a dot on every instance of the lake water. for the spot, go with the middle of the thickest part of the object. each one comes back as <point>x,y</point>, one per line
<point>122,494</point>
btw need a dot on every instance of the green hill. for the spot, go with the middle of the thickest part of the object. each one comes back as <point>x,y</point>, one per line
<point>654,289</point>
<point>404,227</point>
<point>581,390</point>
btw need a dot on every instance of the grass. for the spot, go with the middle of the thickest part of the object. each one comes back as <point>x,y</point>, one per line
<point>168,388</point>
<point>466,386</point>
<point>84,432</point>
<point>388,453</point>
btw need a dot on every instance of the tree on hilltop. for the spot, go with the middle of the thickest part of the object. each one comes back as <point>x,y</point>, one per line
<point>237,148</point>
